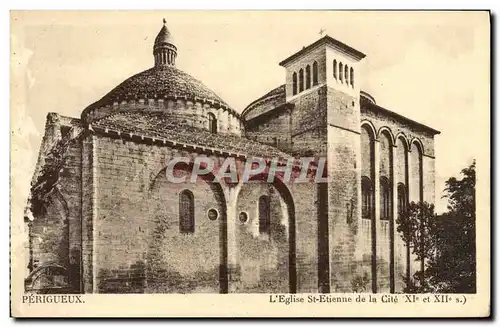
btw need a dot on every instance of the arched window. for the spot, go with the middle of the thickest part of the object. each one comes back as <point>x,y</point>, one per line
<point>264,214</point>
<point>186,212</point>
<point>385,199</point>
<point>352,77</point>
<point>315,73</point>
<point>301,80</point>
<point>401,198</point>
<point>335,68</point>
<point>294,83</point>
<point>346,74</point>
<point>212,123</point>
<point>308,77</point>
<point>341,72</point>
<point>366,197</point>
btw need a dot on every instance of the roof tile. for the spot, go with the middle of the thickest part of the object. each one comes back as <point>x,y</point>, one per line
<point>161,81</point>
<point>158,125</point>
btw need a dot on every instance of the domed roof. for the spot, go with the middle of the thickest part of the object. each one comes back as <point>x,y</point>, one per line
<point>272,99</point>
<point>276,92</point>
<point>367,96</point>
<point>162,81</point>
<point>158,82</point>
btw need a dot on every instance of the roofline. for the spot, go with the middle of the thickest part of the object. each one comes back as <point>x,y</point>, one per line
<point>264,97</point>
<point>367,96</point>
<point>263,115</point>
<point>328,40</point>
<point>125,100</point>
<point>107,100</point>
<point>145,138</point>
<point>403,118</point>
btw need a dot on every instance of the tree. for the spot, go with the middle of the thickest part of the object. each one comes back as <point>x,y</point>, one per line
<point>453,269</point>
<point>445,245</point>
<point>417,227</point>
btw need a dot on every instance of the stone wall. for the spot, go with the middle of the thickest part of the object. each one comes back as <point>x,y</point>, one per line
<point>312,111</point>
<point>308,123</point>
<point>385,237</point>
<point>89,196</point>
<point>413,156</point>
<point>136,239</point>
<point>56,227</point>
<point>273,129</point>
<point>367,238</point>
<point>347,262</point>
<point>122,215</point>
<point>400,247</point>
<point>49,233</point>
<point>71,192</point>
<point>192,113</point>
<point>263,257</point>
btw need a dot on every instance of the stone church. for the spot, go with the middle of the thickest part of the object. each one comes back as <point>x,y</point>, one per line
<point>103,218</point>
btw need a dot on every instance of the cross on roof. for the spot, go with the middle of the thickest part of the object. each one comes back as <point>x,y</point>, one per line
<point>321,31</point>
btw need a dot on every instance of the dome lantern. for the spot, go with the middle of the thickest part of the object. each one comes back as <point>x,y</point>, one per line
<point>164,51</point>
<point>166,91</point>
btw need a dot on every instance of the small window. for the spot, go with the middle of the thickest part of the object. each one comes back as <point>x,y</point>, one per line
<point>243,217</point>
<point>366,197</point>
<point>346,74</point>
<point>308,77</point>
<point>212,123</point>
<point>335,68</point>
<point>385,199</point>
<point>264,214</point>
<point>341,72</point>
<point>294,83</point>
<point>301,80</point>
<point>186,212</point>
<point>352,77</point>
<point>315,73</point>
<point>212,214</point>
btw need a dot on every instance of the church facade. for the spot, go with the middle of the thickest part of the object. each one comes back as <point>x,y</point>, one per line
<point>103,217</point>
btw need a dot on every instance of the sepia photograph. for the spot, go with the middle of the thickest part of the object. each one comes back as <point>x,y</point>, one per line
<point>279,163</point>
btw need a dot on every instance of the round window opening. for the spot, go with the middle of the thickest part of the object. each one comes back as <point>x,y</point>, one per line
<point>213,214</point>
<point>243,217</point>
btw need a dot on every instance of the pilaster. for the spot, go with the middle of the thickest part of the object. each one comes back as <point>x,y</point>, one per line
<point>376,215</point>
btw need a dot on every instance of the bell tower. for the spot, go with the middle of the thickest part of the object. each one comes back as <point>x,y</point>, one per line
<point>344,161</point>
<point>322,83</point>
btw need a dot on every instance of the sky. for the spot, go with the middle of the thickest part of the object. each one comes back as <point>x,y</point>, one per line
<point>432,67</point>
